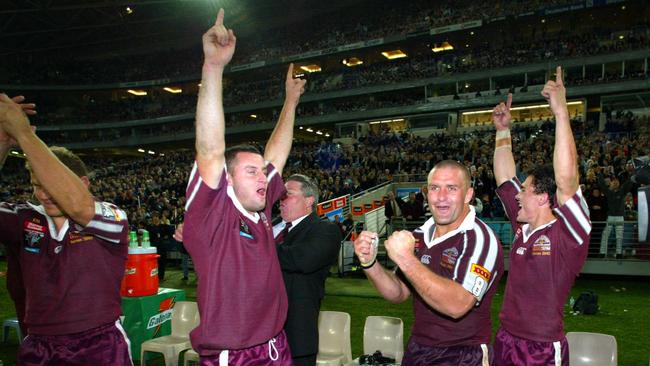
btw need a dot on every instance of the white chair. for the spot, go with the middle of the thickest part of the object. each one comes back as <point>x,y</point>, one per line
<point>592,349</point>
<point>385,334</point>
<point>190,356</point>
<point>334,348</point>
<point>185,317</point>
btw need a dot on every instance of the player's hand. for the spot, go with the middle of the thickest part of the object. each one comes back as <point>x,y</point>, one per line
<point>218,43</point>
<point>501,114</point>
<point>365,247</point>
<point>400,245</point>
<point>178,234</point>
<point>555,93</point>
<point>294,88</point>
<point>13,118</point>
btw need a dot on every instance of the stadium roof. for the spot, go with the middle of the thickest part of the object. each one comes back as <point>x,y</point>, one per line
<point>111,26</point>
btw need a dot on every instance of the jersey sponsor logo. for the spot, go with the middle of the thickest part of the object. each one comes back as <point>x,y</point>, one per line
<point>426,259</point>
<point>33,235</point>
<point>449,257</point>
<point>481,271</point>
<point>76,237</point>
<point>58,249</point>
<point>517,234</point>
<point>521,251</point>
<point>244,230</point>
<point>32,226</point>
<point>542,246</point>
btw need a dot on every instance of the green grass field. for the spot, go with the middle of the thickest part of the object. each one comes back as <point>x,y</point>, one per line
<point>624,311</point>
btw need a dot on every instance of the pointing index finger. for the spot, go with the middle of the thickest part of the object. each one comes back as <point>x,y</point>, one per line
<point>290,72</point>
<point>558,76</point>
<point>509,101</point>
<point>219,17</point>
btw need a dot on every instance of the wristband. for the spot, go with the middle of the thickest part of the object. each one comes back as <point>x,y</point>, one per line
<point>503,134</point>
<point>369,265</point>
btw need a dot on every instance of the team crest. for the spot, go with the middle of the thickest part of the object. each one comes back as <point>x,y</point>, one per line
<point>426,259</point>
<point>449,257</point>
<point>542,246</point>
<point>521,251</point>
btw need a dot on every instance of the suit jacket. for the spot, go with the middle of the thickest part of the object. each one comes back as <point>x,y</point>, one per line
<point>306,255</point>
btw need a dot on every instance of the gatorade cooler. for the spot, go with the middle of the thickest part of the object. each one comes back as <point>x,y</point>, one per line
<point>141,273</point>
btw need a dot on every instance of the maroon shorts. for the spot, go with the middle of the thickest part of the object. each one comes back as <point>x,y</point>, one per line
<point>512,350</point>
<point>104,345</point>
<point>472,355</point>
<point>275,352</point>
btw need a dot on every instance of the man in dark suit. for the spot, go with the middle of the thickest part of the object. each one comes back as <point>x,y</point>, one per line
<point>307,248</point>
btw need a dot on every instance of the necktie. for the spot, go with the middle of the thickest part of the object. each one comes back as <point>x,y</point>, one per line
<point>280,238</point>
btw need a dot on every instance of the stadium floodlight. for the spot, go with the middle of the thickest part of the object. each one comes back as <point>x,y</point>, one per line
<point>300,128</point>
<point>327,135</point>
<point>141,150</point>
<point>444,46</point>
<point>391,55</point>
<point>138,92</point>
<point>351,62</point>
<point>172,90</point>
<point>519,108</point>
<point>151,152</point>
<point>319,132</point>
<point>253,115</point>
<point>310,130</point>
<point>311,68</point>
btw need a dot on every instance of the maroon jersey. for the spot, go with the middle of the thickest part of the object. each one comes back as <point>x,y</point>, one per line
<point>543,266</point>
<point>241,295</point>
<point>71,276</point>
<point>472,256</point>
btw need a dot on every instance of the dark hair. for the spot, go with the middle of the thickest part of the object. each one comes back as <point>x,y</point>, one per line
<point>544,180</point>
<point>69,159</point>
<point>231,154</point>
<point>308,187</point>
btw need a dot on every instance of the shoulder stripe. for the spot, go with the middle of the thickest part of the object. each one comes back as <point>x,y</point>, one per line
<point>579,215</point>
<point>195,168</point>
<point>10,211</point>
<point>104,226</point>
<point>270,174</point>
<point>575,235</point>
<point>197,186</point>
<point>112,240</point>
<point>460,257</point>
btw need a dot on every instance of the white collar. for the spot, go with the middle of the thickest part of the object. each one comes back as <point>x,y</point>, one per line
<point>526,235</point>
<point>54,234</point>
<point>428,228</point>
<point>230,191</point>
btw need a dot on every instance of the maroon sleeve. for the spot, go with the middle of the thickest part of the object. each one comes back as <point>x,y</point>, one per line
<point>10,228</point>
<point>507,192</point>
<point>109,224</point>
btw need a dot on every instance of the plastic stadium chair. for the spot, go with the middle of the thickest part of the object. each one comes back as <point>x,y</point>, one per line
<point>334,347</point>
<point>385,334</point>
<point>184,319</point>
<point>592,349</point>
<point>190,356</point>
<point>9,323</point>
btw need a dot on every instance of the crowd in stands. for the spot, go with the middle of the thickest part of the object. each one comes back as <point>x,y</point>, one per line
<point>350,26</point>
<point>92,110</point>
<point>155,185</point>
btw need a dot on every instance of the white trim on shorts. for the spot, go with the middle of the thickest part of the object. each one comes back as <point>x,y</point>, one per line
<point>223,358</point>
<point>118,325</point>
<point>558,353</point>
<point>485,361</point>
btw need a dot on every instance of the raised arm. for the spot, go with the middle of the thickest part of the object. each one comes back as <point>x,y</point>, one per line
<point>279,144</point>
<point>6,141</point>
<point>66,188</point>
<point>504,162</point>
<point>565,156</point>
<point>218,48</point>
